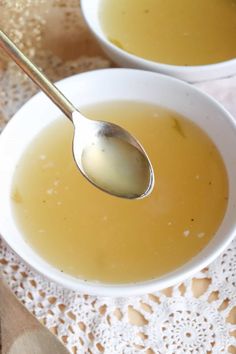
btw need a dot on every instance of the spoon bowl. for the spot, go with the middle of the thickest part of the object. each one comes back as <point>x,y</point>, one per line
<point>111,159</point>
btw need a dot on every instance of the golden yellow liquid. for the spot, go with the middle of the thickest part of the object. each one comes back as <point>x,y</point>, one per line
<point>117,167</point>
<point>179,32</point>
<point>90,234</point>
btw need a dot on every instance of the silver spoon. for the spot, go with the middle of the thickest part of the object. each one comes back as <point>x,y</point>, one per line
<point>106,154</point>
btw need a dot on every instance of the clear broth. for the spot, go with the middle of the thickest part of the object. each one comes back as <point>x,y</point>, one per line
<point>172,31</point>
<point>89,234</point>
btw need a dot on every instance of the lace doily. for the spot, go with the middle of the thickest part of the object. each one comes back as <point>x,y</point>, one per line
<point>175,321</point>
<point>197,316</point>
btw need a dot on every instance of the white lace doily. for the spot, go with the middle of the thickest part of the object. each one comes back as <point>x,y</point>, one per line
<point>195,317</point>
<point>175,321</point>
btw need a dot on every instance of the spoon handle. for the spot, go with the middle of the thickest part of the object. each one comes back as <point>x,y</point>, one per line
<point>35,74</point>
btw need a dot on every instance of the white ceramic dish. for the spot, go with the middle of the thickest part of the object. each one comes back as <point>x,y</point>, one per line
<point>90,10</point>
<point>118,84</point>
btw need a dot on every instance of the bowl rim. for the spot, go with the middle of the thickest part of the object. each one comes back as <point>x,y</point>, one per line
<point>127,289</point>
<point>141,60</point>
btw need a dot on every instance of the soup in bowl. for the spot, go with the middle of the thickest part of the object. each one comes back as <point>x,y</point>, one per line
<point>193,41</point>
<point>90,241</point>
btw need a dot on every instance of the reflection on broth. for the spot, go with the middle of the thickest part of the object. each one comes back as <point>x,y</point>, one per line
<point>171,31</point>
<point>90,234</point>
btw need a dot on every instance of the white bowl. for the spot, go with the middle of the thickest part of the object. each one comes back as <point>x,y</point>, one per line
<point>118,84</point>
<point>90,10</point>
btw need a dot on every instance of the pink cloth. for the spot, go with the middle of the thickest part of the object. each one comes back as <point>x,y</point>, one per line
<point>223,90</point>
